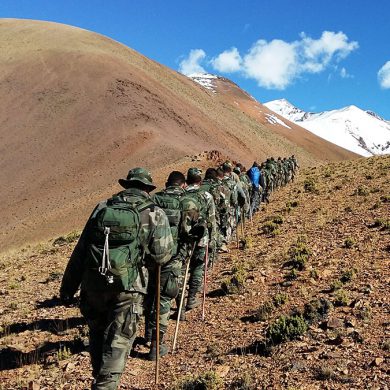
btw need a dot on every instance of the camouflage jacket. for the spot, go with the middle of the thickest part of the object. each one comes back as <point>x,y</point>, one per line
<point>189,216</point>
<point>156,242</point>
<point>207,212</point>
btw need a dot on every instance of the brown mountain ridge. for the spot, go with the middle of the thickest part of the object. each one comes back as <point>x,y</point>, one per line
<point>79,109</point>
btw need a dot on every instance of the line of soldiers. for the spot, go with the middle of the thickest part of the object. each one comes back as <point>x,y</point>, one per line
<point>137,246</point>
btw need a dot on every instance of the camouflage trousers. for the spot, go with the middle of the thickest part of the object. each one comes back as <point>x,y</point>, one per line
<point>169,289</point>
<point>196,270</point>
<point>255,200</point>
<point>112,318</point>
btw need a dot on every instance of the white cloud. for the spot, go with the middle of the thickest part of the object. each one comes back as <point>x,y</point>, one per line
<point>276,64</point>
<point>384,76</point>
<point>191,64</point>
<point>344,74</point>
<point>318,53</point>
<point>272,65</point>
<point>228,61</point>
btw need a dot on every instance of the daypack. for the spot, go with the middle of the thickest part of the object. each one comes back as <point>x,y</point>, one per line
<point>114,254</point>
<point>170,203</point>
<point>254,176</point>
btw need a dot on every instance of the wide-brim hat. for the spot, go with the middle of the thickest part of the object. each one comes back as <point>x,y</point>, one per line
<point>140,175</point>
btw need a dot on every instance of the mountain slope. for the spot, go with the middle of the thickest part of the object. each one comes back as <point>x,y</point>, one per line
<point>79,109</point>
<point>343,220</point>
<point>362,132</point>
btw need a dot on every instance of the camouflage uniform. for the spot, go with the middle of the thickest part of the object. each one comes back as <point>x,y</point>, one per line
<point>112,316</point>
<point>232,204</point>
<point>186,217</point>
<point>207,214</point>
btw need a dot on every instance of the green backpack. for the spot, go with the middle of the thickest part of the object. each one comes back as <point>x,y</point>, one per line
<point>114,256</point>
<point>170,203</point>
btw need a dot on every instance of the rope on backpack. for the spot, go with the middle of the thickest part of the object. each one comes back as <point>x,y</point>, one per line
<point>106,264</point>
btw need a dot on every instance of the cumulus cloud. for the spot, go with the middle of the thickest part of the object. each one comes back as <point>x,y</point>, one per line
<point>191,64</point>
<point>228,61</point>
<point>384,76</point>
<point>276,64</point>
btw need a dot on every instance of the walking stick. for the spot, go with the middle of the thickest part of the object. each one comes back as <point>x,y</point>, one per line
<point>205,282</point>
<point>182,298</point>
<point>158,294</point>
<point>237,238</point>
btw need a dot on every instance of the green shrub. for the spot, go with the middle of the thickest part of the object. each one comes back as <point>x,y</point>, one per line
<point>291,275</point>
<point>310,185</point>
<point>361,191</point>
<point>299,254</point>
<point>236,282</point>
<point>280,299</point>
<point>341,298</point>
<point>349,243</point>
<point>210,380</point>
<point>317,309</point>
<point>244,382</point>
<point>347,276</point>
<point>270,228</point>
<point>286,328</point>
<point>336,285</point>
<point>264,311</point>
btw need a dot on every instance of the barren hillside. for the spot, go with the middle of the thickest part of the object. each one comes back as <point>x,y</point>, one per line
<point>310,311</point>
<point>79,109</point>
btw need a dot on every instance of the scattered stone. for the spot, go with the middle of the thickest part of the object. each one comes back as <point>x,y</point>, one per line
<point>335,322</point>
<point>377,361</point>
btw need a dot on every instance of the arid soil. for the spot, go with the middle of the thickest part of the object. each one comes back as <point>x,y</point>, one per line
<point>339,212</point>
<point>78,110</point>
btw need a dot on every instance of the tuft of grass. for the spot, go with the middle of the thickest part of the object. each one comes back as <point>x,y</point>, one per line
<point>361,191</point>
<point>63,353</point>
<point>244,382</point>
<point>347,276</point>
<point>210,380</point>
<point>341,298</point>
<point>280,299</point>
<point>310,185</point>
<point>383,224</point>
<point>291,275</point>
<point>325,372</point>
<point>336,285</point>
<point>286,328</point>
<point>316,309</point>
<point>299,254</point>
<point>385,198</point>
<point>235,284</point>
<point>349,243</point>
<point>270,228</point>
<point>68,239</point>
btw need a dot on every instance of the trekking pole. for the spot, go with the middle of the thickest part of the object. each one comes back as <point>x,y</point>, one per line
<point>205,281</point>
<point>237,238</point>
<point>182,298</point>
<point>158,294</point>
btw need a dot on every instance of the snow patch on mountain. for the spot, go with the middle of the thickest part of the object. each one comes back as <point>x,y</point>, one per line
<point>362,132</point>
<point>205,80</point>
<point>275,120</point>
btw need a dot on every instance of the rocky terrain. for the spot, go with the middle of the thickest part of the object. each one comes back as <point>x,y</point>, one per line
<point>303,304</point>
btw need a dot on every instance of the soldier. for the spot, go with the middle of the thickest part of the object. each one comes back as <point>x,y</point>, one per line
<point>223,210</point>
<point>183,214</point>
<point>207,214</point>
<point>254,176</point>
<point>108,262</point>
<point>211,185</point>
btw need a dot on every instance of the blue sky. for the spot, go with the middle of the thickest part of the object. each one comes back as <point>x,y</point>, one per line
<point>320,55</point>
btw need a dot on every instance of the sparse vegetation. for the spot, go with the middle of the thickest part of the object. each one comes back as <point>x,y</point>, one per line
<point>286,328</point>
<point>210,380</point>
<point>280,299</point>
<point>361,191</point>
<point>299,254</point>
<point>310,185</point>
<point>349,243</point>
<point>347,276</point>
<point>236,282</point>
<point>270,228</point>
<point>341,298</point>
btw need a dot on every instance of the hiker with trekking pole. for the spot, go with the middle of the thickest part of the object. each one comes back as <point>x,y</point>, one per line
<point>123,234</point>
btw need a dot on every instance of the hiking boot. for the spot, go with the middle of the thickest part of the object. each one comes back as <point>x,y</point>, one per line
<point>192,302</point>
<point>153,348</point>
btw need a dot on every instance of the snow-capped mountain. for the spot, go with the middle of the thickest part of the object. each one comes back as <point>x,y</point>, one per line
<point>205,80</point>
<point>352,128</point>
